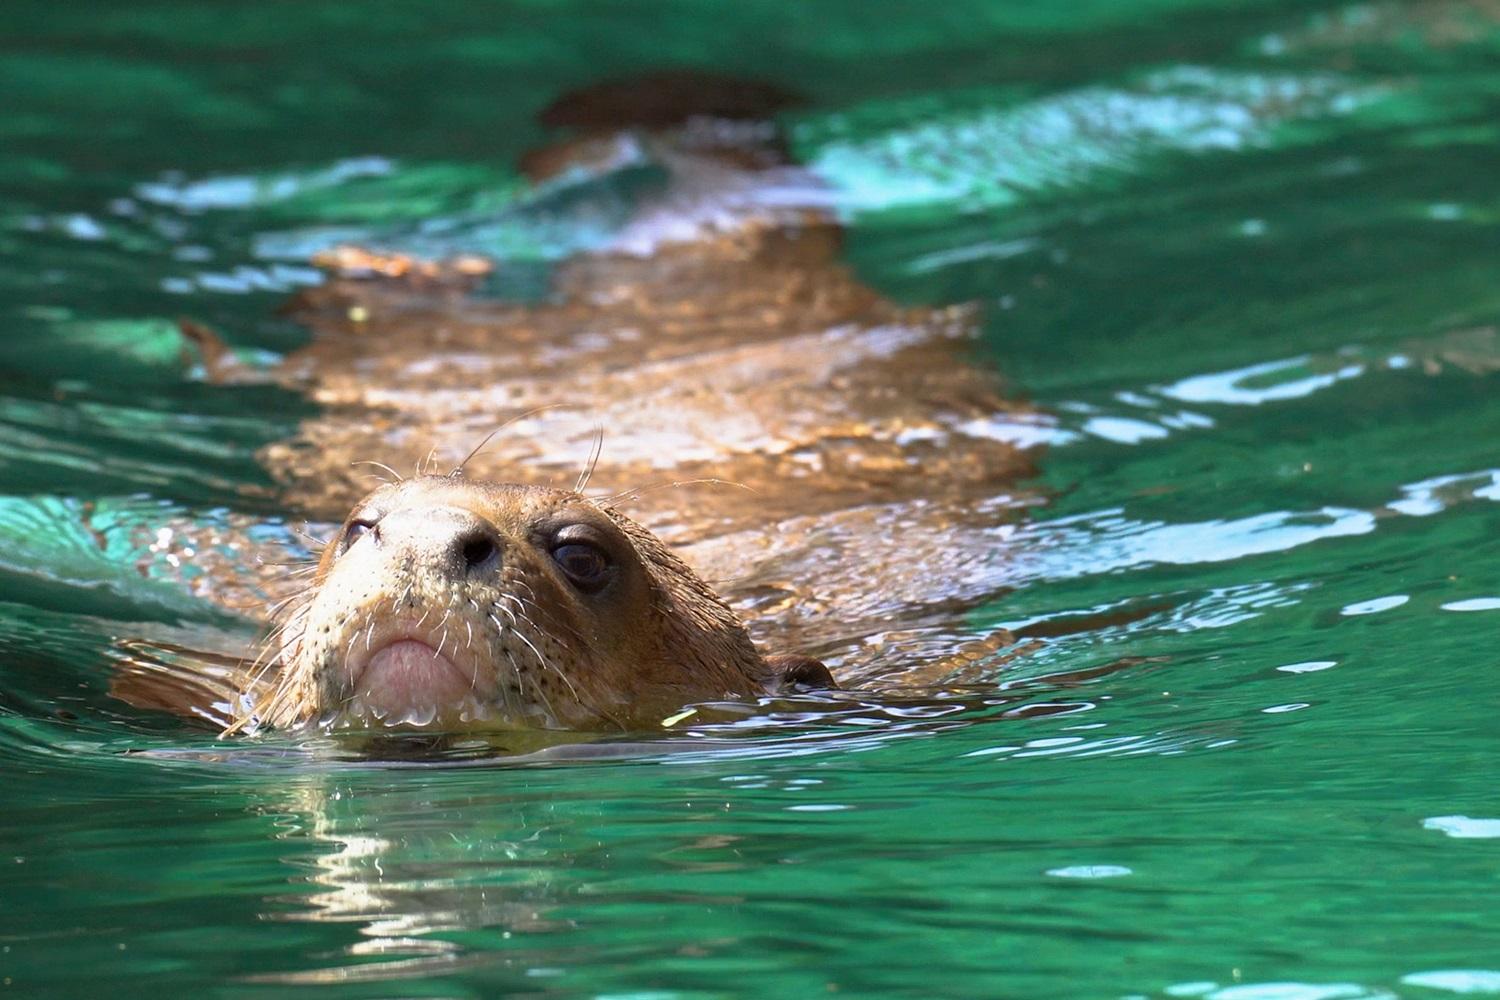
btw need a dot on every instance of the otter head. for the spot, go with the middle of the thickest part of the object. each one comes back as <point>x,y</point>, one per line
<point>445,603</point>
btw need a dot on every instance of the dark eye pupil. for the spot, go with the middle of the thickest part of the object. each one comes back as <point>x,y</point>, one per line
<point>585,565</point>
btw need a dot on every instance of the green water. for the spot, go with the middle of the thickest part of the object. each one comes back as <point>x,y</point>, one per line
<point>1245,253</point>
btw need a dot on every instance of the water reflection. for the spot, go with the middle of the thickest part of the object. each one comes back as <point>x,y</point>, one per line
<point>449,862</point>
<point>406,864</point>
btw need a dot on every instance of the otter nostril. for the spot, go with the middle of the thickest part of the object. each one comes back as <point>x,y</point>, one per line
<point>479,551</point>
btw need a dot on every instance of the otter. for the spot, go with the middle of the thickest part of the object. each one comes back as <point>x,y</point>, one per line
<point>451,604</point>
<point>716,337</point>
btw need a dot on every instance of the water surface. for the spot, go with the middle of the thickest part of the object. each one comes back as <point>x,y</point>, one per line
<point>1244,253</point>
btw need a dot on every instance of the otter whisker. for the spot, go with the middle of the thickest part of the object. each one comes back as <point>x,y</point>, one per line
<point>306,535</point>
<point>273,639</point>
<point>545,663</point>
<point>257,671</point>
<point>522,603</point>
<point>235,726</point>
<point>273,651</point>
<point>542,660</point>
<point>631,494</point>
<point>541,694</point>
<point>302,562</point>
<point>519,707</point>
<point>271,648</point>
<point>522,583</point>
<point>531,594</point>
<point>381,465</point>
<point>283,691</point>
<point>514,669</point>
<point>262,664</point>
<point>286,602</point>
<point>589,466</point>
<point>458,470</point>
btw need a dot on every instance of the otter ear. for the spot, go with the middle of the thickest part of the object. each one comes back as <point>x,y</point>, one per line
<point>794,674</point>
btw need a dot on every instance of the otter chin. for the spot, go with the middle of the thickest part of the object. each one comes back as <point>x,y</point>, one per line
<point>408,680</point>
<point>444,603</point>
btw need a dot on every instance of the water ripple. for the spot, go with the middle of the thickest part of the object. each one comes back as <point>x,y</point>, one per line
<point>1470,982</point>
<point>996,156</point>
<point>242,191</point>
<point>1270,381</point>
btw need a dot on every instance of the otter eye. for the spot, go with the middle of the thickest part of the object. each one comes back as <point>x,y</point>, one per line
<point>585,566</point>
<point>358,528</point>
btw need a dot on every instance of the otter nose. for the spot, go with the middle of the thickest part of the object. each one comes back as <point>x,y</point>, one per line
<point>477,550</point>
<point>453,540</point>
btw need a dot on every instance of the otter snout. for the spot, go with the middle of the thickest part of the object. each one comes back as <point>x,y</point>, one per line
<point>454,542</point>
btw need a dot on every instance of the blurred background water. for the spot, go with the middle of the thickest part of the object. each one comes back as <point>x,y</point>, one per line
<point>1244,252</point>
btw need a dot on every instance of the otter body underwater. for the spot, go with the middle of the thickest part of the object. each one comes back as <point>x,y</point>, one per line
<point>717,336</point>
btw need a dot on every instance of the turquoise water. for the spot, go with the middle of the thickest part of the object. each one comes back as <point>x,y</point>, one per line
<point>1245,254</point>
